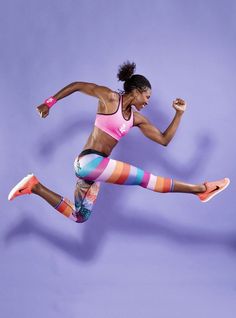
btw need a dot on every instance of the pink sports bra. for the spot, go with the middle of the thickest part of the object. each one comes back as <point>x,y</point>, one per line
<point>115,124</point>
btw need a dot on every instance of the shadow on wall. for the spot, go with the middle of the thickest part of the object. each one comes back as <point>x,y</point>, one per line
<point>97,229</point>
<point>103,223</point>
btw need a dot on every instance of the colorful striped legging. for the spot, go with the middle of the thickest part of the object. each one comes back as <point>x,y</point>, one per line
<point>91,169</point>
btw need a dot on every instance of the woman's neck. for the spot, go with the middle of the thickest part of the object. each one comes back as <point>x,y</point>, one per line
<point>127,101</point>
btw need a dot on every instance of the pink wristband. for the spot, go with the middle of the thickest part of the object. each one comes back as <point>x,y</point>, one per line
<point>50,101</point>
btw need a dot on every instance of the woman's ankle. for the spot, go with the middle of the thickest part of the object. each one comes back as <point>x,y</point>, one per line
<point>200,188</point>
<point>36,188</point>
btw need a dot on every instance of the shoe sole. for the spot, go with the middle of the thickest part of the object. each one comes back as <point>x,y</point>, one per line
<point>217,192</point>
<point>18,186</point>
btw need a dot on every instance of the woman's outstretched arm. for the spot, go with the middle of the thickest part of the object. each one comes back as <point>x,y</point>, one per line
<point>104,94</point>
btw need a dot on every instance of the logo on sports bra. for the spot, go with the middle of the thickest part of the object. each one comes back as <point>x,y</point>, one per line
<point>122,128</point>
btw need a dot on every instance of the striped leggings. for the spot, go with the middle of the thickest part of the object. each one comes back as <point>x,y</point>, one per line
<point>91,168</point>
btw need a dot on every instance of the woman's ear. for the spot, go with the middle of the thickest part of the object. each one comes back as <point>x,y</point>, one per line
<point>135,92</point>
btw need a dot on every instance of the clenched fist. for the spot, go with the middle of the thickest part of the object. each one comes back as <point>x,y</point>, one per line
<point>43,110</point>
<point>179,105</point>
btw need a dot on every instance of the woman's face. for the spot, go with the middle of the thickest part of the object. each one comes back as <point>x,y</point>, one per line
<point>141,98</point>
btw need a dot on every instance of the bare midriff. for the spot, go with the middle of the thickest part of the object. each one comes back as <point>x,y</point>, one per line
<point>100,141</point>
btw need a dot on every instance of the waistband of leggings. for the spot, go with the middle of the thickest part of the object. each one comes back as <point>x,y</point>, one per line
<point>89,151</point>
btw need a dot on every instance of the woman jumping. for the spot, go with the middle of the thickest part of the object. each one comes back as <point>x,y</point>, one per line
<point>115,117</point>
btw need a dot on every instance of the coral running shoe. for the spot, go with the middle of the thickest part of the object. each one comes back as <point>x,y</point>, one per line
<point>23,187</point>
<point>213,188</point>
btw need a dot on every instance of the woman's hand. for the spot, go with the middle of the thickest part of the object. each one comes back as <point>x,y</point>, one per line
<point>179,105</point>
<point>43,110</point>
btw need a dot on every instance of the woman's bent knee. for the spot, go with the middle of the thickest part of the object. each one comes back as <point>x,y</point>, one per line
<point>82,215</point>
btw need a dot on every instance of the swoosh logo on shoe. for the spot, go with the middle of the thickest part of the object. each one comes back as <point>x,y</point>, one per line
<point>216,188</point>
<point>22,190</point>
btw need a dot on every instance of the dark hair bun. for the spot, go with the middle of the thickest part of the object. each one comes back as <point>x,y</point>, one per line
<point>125,71</point>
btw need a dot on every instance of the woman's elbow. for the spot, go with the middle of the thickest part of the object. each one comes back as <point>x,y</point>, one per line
<point>164,142</point>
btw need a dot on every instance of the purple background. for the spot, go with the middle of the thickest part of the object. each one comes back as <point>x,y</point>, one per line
<point>141,254</point>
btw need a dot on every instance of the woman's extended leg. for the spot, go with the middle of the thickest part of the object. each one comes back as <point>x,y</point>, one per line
<point>97,168</point>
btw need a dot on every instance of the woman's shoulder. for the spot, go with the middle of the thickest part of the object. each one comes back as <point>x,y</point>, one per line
<point>104,93</point>
<point>110,103</point>
<point>114,96</point>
